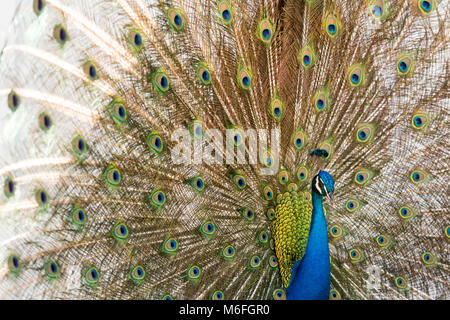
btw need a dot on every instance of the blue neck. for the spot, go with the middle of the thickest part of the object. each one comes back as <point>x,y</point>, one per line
<point>312,274</point>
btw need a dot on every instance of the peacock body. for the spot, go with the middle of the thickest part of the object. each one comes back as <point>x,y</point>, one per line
<point>118,185</point>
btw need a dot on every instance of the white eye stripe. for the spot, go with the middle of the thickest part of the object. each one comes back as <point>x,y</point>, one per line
<point>317,185</point>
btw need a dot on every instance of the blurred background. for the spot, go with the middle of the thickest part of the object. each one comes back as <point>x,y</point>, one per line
<point>8,8</point>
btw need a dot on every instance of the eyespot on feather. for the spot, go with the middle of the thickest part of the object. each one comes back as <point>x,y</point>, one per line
<point>14,264</point>
<point>363,176</point>
<point>207,228</point>
<point>196,129</point>
<point>379,9</point>
<point>268,193</point>
<point>135,39</point>
<point>299,139</point>
<point>244,77</point>
<point>356,256</point>
<point>225,12</point>
<point>365,132</point>
<point>401,283</point>
<point>118,111</point>
<point>52,269</point>
<point>429,259</point>
<point>9,187</point>
<point>265,31</point>
<point>335,295</point>
<point>302,173</point>
<point>276,109</point>
<point>228,252</point>
<point>426,6</point>
<point>42,199</point>
<point>419,176</point>
<point>13,100</point>
<point>155,142</point>
<point>217,295</point>
<point>120,231</point>
<point>321,100</point>
<point>239,182</point>
<point>247,213</point>
<point>38,6</point>
<point>270,213</point>
<point>176,19</point>
<point>254,262</point>
<point>356,75</point>
<point>194,273</point>
<point>420,120</point>
<point>406,213</point>
<point>352,205</point>
<point>203,74</point>
<point>160,80</point>
<point>283,177</point>
<point>78,217</point>
<point>79,146</point>
<point>405,64</point>
<point>307,56</point>
<point>262,237</point>
<point>90,70</point>
<point>326,145</point>
<point>60,34</point>
<point>336,232</point>
<point>157,198</point>
<point>112,176</point>
<point>279,294</point>
<point>332,25</point>
<point>170,246</point>
<point>45,122</point>
<point>137,274</point>
<point>384,241</point>
<point>273,262</point>
<point>91,276</point>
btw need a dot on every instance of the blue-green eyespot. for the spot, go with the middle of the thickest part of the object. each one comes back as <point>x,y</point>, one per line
<point>170,246</point>
<point>91,276</point>
<point>194,273</point>
<point>157,198</point>
<point>137,274</point>
<point>52,269</point>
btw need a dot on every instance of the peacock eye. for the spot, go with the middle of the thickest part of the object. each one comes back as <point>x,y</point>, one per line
<point>254,262</point>
<point>228,252</point>
<point>14,263</point>
<point>45,122</point>
<point>38,6</point>
<point>217,295</point>
<point>60,34</point>
<point>207,228</point>
<point>9,187</point>
<point>176,19</point>
<point>91,276</point>
<point>120,231</point>
<point>194,273</point>
<point>225,12</point>
<point>52,269</point>
<point>137,274</point>
<point>265,31</point>
<point>279,294</point>
<point>13,101</point>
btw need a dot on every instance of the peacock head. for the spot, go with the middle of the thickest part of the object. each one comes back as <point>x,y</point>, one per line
<point>323,184</point>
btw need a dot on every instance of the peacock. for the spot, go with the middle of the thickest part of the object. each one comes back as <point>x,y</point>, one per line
<point>225,149</point>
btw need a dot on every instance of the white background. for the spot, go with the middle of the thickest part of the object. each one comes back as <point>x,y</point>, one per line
<point>7,8</point>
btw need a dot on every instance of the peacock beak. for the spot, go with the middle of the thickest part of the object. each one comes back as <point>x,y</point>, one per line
<point>330,197</point>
